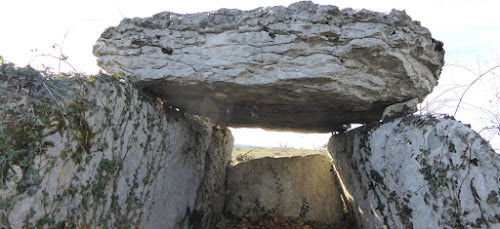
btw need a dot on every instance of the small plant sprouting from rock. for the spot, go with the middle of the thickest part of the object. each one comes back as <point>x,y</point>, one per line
<point>304,209</point>
<point>245,157</point>
<point>26,109</point>
<point>277,181</point>
<point>257,209</point>
<point>33,105</point>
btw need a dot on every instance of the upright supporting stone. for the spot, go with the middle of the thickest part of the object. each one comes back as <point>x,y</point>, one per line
<point>301,187</point>
<point>78,152</point>
<point>419,172</point>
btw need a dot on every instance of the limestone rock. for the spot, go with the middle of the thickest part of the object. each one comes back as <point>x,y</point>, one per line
<point>97,153</point>
<point>399,110</point>
<point>302,187</point>
<point>304,67</point>
<point>418,172</point>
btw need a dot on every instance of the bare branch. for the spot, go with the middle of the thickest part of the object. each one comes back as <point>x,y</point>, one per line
<point>471,84</point>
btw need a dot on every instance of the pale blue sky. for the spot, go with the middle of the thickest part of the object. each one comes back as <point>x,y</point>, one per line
<point>469,30</point>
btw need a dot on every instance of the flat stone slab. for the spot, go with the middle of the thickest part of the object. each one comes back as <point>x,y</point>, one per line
<point>302,187</point>
<point>305,67</point>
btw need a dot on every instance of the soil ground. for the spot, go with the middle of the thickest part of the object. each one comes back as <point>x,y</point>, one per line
<point>275,223</point>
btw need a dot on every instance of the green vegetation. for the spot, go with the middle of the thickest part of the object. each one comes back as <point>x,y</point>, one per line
<point>26,109</point>
<point>33,105</point>
<point>38,110</point>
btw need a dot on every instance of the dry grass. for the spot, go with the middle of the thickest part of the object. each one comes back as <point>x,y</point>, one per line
<point>244,154</point>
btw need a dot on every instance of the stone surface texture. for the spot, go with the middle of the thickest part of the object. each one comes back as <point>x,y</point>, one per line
<point>418,172</point>
<point>302,187</point>
<point>81,152</point>
<point>321,66</point>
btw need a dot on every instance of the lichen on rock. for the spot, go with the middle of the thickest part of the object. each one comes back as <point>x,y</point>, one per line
<point>302,187</point>
<point>93,151</point>
<point>128,149</point>
<point>419,172</point>
<point>321,66</point>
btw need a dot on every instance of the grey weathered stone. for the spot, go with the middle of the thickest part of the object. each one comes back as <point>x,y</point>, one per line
<point>103,156</point>
<point>302,187</point>
<point>418,172</point>
<point>399,110</point>
<point>304,67</point>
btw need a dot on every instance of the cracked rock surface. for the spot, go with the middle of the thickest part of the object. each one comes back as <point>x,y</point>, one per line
<point>305,67</point>
<point>418,172</point>
<point>93,152</point>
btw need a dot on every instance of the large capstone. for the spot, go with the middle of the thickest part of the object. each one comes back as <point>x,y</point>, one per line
<point>305,67</point>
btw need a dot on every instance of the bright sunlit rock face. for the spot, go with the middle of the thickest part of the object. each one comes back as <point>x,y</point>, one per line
<point>305,67</point>
<point>418,172</point>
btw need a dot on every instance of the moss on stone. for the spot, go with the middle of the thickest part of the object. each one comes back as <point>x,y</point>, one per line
<point>26,110</point>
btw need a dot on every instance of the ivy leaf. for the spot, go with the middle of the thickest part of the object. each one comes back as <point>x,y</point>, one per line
<point>474,161</point>
<point>37,102</point>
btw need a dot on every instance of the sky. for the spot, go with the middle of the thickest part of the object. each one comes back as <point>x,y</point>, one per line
<point>470,30</point>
